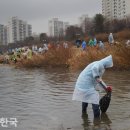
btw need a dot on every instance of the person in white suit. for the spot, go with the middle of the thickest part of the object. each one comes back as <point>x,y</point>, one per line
<point>110,39</point>
<point>85,88</point>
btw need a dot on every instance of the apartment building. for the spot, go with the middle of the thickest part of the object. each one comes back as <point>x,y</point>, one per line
<point>65,26</point>
<point>18,30</point>
<point>85,22</point>
<point>3,35</point>
<point>116,9</point>
<point>57,28</point>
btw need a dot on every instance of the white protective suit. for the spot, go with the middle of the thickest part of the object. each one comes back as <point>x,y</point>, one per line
<point>110,38</point>
<point>85,88</point>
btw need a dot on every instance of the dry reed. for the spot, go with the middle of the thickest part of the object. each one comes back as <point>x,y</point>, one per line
<point>75,58</point>
<point>55,57</point>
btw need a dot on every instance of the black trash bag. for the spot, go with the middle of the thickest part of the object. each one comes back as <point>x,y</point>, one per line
<point>104,102</point>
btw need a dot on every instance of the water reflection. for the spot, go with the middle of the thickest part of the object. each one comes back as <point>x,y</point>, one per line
<point>105,119</point>
<point>101,123</point>
<point>41,99</point>
<point>86,121</point>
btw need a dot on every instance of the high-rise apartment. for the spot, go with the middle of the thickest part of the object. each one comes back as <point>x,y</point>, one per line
<point>57,28</point>
<point>3,35</point>
<point>116,9</point>
<point>85,22</point>
<point>65,26</point>
<point>18,30</point>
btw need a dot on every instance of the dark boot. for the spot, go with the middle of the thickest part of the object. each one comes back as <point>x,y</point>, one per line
<point>84,107</point>
<point>96,110</point>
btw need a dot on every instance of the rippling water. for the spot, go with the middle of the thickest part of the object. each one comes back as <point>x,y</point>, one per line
<point>42,100</point>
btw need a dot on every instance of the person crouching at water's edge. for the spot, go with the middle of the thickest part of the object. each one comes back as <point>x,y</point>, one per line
<point>89,78</point>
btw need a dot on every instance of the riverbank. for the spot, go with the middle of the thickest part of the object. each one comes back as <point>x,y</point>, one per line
<point>77,59</point>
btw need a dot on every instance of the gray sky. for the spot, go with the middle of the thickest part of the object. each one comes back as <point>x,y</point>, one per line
<point>38,12</point>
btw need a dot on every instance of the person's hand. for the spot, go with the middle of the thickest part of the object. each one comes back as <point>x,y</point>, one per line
<point>98,80</point>
<point>109,89</point>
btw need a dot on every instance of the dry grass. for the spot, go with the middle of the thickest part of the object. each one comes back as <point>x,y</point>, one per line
<point>1,59</point>
<point>102,37</point>
<point>121,57</point>
<point>119,36</point>
<point>99,37</point>
<point>54,57</point>
<point>76,59</point>
<point>85,57</point>
<point>122,35</point>
<point>120,53</point>
<point>36,61</point>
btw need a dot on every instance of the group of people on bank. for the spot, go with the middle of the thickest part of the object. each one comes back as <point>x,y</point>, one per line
<point>17,53</point>
<point>93,42</point>
<point>27,52</point>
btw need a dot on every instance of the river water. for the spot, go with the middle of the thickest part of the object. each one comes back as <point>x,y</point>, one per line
<point>41,99</point>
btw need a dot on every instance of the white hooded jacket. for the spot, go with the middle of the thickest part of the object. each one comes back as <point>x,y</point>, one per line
<point>85,88</point>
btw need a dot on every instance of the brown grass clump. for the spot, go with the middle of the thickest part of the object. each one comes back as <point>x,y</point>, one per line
<point>77,59</point>
<point>1,59</point>
<point>36,61</point>
<point>102,37</point>
<point>119,36</point>
<point>122,35</point>
<point>120,53</point>
<point>86,57</point>
<point>58,57</point>
<point>121,57</point>
<point>54,57</point>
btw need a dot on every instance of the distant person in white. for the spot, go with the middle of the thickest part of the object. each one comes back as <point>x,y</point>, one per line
<point>128,43</point>
<point>110,39</point>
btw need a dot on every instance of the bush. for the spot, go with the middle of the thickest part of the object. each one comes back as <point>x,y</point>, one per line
<point>54,57</point>
<point>102,37</point>
<point>123,35</point>
<point>76,59</point>
<point>1,59</point>
<point>120,53</point>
